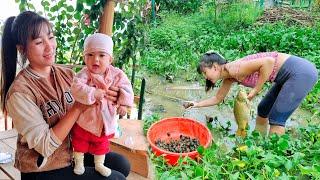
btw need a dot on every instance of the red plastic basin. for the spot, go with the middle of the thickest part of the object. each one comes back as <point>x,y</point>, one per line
<point>177,126</point>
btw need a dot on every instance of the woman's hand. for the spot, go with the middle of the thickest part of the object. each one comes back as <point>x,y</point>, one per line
<point>189,104</point>
<point>122,110</point>
<point>99,94</point>
<point>64,125</point>
<point>112,94</point>
<point>252,94</point>
<point>80,107</point>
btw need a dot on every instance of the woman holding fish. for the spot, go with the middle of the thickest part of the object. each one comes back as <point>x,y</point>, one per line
<point>293,77</point>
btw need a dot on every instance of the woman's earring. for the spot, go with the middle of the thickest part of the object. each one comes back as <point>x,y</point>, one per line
<point>215,67</point>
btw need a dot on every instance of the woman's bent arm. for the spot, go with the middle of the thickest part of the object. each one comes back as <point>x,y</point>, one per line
<point>35,131</point>
<point>221,94</point>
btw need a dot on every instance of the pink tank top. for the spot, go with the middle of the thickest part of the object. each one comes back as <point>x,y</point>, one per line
<point>252,79</point>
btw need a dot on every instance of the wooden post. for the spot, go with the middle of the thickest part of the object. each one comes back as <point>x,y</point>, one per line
<point>106,20</point>
<point>142,89</point>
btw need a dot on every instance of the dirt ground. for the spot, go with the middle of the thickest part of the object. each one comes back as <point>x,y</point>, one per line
<point>289,16</point>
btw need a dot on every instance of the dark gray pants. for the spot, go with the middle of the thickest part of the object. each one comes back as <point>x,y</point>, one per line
<point>294,80</point>
<point>119,165</point>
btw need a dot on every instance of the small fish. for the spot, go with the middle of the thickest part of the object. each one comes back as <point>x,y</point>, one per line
<point>241,112</point>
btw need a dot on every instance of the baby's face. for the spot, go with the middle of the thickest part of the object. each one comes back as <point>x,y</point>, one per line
<point>97,62</point>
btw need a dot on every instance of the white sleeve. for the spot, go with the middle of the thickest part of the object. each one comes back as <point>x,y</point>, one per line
<point>28,120</point>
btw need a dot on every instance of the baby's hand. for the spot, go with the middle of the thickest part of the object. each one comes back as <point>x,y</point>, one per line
<point>99,94</point>
<point>122,110</point>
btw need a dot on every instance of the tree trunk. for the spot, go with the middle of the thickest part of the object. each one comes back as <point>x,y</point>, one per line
<point>106,20</point>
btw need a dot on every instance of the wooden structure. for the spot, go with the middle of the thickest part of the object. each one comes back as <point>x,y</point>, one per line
<point>8,144</point>
<point>133,145</point>
<point>106,20</point>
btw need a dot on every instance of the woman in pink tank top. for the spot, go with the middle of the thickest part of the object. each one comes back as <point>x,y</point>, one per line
<point>293,77</point>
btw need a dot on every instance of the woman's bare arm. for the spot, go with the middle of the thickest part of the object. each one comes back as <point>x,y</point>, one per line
<point>35,131</point>
<point>63,127</point>
<point>264,66</point>
<point>113,94</point>
<point>221,94</point>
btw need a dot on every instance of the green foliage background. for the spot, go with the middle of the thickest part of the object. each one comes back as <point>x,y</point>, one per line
<point>71,30</point>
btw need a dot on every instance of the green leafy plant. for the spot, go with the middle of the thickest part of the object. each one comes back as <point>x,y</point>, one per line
<point>73,24</point>
<point>148,121</point>
<point>237,14</point>
<point>181,6</point>
<point>288,156</point>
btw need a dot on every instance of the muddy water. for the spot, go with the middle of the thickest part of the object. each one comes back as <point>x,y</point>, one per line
<point>166,99</point>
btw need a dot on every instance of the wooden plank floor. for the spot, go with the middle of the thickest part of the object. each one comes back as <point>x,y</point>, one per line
<point>8,144</point>
<point>8,141</point>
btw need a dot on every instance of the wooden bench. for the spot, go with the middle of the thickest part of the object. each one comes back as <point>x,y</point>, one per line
<point>137,157</point>
<point>8,143</point>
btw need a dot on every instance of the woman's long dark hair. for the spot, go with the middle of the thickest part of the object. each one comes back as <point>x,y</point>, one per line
<point>17,31</point>
<point>207,60</point>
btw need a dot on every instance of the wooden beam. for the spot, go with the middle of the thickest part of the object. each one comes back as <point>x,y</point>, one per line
<point>3,175</point>
<point>106,20</point>
<point>8,134</point>
<point>8,168</point>
<point>136,152</point>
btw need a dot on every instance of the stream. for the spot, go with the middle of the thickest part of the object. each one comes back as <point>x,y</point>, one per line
<point>165,99</point>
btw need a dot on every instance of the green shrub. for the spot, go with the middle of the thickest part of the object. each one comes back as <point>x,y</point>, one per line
<point>181,6</point>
